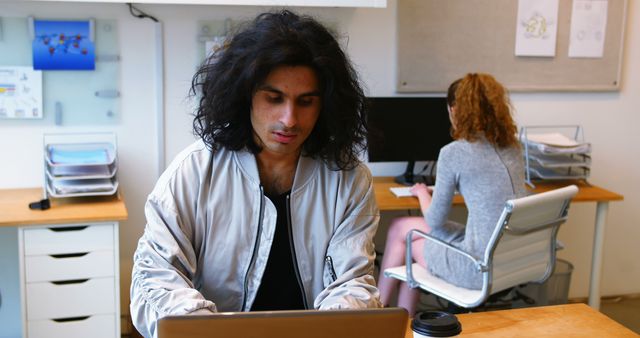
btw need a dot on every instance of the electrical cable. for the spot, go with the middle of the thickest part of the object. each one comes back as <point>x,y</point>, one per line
<point>138,13</point>
<point>428,165</point>
<point>425,167</point>
<point>160,101</point>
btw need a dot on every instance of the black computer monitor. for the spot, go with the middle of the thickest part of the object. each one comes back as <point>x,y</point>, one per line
<point>407,129</point>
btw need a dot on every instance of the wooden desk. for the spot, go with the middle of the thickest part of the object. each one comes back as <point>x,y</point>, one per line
<point>68,258</point>
<point>586,193</point>
<point>570,320</point>
<point>14,208</point>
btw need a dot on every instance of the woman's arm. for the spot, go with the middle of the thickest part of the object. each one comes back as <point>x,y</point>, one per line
<point>423,193</point>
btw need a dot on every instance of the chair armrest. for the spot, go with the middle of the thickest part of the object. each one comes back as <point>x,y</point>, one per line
<point>409,257</point>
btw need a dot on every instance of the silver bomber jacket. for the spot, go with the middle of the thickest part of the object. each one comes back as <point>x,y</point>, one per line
<point>210,227</point>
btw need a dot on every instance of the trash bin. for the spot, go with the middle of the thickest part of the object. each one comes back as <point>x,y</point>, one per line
<point>556,289</point>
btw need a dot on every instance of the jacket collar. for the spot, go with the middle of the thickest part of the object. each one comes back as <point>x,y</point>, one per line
<point>305,170</point>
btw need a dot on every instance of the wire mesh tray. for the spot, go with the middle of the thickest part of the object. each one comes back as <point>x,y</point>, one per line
<point>77,188</point>
<point>80,154</point>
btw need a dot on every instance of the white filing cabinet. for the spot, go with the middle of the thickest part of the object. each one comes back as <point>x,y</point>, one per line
<point>68,262</point>
<point>70,280</point>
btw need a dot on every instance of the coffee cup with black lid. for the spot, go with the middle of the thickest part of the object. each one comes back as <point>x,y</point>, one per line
<point>435,324</point>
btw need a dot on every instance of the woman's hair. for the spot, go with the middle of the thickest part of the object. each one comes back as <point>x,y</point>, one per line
<point>228,79</point>
<point>482,107</point>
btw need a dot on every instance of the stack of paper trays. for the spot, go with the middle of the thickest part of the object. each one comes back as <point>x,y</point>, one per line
<point>556,156</point>
<point>87,169</point>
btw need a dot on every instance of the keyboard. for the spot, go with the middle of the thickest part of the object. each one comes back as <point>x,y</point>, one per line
<point>405,191</point>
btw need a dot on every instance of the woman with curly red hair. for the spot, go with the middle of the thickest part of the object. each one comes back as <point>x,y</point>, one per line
<point>485,165</point>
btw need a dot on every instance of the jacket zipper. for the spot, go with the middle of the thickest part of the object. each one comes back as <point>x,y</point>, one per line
<point>332,271</point>
<point>255,250</point>
<point>293,253</point>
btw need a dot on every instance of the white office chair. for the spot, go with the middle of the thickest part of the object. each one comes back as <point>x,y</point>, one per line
<point>521,250</point>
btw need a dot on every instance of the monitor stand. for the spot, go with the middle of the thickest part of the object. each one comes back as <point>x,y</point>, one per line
<point>409,178</point>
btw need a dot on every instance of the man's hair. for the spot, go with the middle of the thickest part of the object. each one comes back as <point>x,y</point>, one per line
<point>482,107</point>
<point>229,78</point>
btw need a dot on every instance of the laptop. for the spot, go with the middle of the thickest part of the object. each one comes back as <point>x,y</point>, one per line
<point>368,323</point>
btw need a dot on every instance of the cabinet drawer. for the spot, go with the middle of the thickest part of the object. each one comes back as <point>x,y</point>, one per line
<point>47,300</point>
<point>67,267</point>
<point>68,239</point>
<point>99,326</point>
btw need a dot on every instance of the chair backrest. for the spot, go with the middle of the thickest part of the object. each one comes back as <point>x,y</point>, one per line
<point>522,247</point>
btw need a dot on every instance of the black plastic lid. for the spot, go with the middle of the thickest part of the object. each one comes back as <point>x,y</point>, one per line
<point>436,324</point>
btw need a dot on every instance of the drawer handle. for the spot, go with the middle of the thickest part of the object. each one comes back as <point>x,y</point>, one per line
<point>70,319</point>
<point>77,228</point>
<point>71,255</point>
<point>73,281</point>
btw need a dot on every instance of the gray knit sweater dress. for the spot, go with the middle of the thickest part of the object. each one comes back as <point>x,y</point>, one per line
<point>487,177</point>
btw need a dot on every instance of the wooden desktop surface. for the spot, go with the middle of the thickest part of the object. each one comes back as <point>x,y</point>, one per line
<point>388,201</point>
<point>14,208</point>
<point>569,320</point>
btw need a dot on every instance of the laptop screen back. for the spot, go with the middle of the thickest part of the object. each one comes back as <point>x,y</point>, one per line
<point>369,323</point>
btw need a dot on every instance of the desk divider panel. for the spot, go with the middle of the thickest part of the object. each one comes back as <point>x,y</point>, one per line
<point>76,95</point>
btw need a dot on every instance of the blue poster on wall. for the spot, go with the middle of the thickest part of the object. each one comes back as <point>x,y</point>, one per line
<point>63,45</point>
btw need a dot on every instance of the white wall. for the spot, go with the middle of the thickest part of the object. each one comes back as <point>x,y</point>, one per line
<point>21,141</point>
<point>609,120</point>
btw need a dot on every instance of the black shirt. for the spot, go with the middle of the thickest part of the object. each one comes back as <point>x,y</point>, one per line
<point>279,288</point>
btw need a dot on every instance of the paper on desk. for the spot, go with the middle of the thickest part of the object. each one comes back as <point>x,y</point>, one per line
<point>64,156</point>
<point>406,191</point>
<point>80,154</point>
<point>552,139</point>
<point>401,191</point>
<point>83,186</point>
<point>97,171</point>
<point>556,143</point>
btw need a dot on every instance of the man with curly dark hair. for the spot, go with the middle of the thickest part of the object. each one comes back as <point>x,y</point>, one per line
<point>271,209</point>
